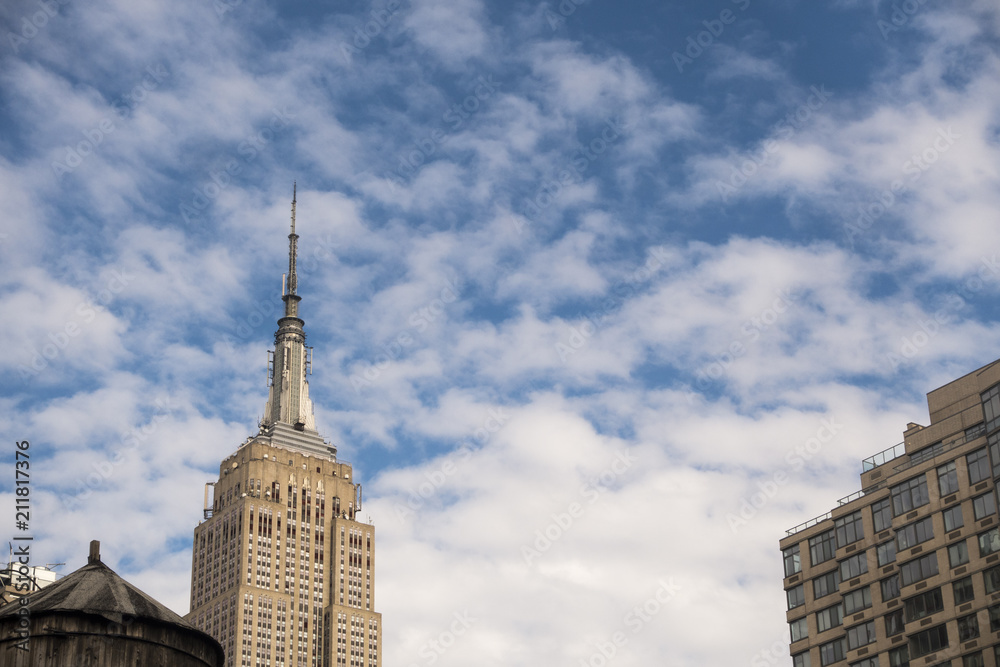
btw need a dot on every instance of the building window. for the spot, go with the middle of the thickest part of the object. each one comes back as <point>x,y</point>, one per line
<point>831,652</point>
<point>894,623</point>
<point>860,635</point>
<point>796,596</point>
<point>953,518</point>
<point>926,453</point>
<point>882,515</point>
<point>979,465</point>
<point>958,554</point>
<point>849,529</point>
<point>989,542</point>
<point>890,588</point>
<point>915,533</point>
<point>909,495</point>
<point>983,506</point>
<point>868,662</point>
<point>975,431</point>
<point>991,578</point>
<point>899,657</point>
<point>826,584</point>
<point>793,563</point>
<point>923,605</point>
<point>929,641</point>
<point>857,600</point>
<point>947,479</point>
<point>831,617</point>
<point>968,627</point>
<point>801,660</point>
<point>962,590</point>
<point>973,660</point>
<point>991,407</point>
<point>854,566</point>
<point>822,548</point>
<point>994,443</point>
<point>886,553</point>
<point>799,629</point>
<point>918,569</point>
<point>994,617</point>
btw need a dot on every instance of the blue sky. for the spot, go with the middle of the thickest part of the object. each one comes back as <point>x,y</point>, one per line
<point>597,270</point>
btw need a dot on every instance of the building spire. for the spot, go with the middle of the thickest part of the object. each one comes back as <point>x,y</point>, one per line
<point>288,403</point>
<point>293,246</point>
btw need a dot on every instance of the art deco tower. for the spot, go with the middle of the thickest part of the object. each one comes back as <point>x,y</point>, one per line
<point>283,569</point>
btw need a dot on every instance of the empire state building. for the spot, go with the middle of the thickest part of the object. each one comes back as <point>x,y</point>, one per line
<point>282,568</point>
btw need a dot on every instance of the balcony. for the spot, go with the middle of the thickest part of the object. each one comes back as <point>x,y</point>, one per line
<point>883,457</point>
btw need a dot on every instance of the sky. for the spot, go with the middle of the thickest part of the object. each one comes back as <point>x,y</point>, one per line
<point>604,296</point>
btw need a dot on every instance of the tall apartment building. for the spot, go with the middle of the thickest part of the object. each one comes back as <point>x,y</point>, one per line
<point>907,570</point>
<point>283,567</point>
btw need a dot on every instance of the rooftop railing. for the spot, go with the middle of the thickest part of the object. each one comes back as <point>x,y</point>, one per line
<point>840,503</point>
<point>859,494</point>
<point>883,457</point>
<point>808,524</point>
<point>937,450</point>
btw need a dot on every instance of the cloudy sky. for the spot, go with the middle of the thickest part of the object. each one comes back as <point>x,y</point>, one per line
<point>604,296</point>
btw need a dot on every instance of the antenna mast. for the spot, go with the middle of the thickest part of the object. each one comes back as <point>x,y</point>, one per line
<point>293,243</point>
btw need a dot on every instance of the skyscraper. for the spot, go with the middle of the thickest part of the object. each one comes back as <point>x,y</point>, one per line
<point>282,568</point>
<point>906,571</point>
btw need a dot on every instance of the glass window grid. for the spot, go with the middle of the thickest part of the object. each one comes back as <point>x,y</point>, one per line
<point>962,590</point>
<point>826,584</point>
<point>857,600</point>
<point>831,617</point>
<point>973,659</point>
<point>947,478</point>
<point>860,635</point>
<point>831,652</point>
<point>994,446</point>
<point>928,641</point>
<point>968,627</point>
<point>909,495</point>
<point>994,613</point>
<point>796,596</point>
<point>989,542</point>
<point>953,519</point>
<point>978,463</point>
<point>822,547</point>
<point>991,407</point>
<point>918,569</point>
<point>958,554</point>
<point>798,629</point>
<point>882,515</point>
<point>915,533</point>
<point>983,506</point>
<point>854,566</point>
<point>890,588</point>
<point>923,605</point>
<point>894,623</point>
<point>900,656</point>
<point>849,529</point>
<point>793,563</point>
<point>886,553</point>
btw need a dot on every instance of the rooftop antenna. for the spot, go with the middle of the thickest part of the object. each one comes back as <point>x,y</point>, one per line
<point>292,247</point>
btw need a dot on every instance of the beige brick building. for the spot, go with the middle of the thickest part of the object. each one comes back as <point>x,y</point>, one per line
<point>907,570</point>
<point>283,565</point>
